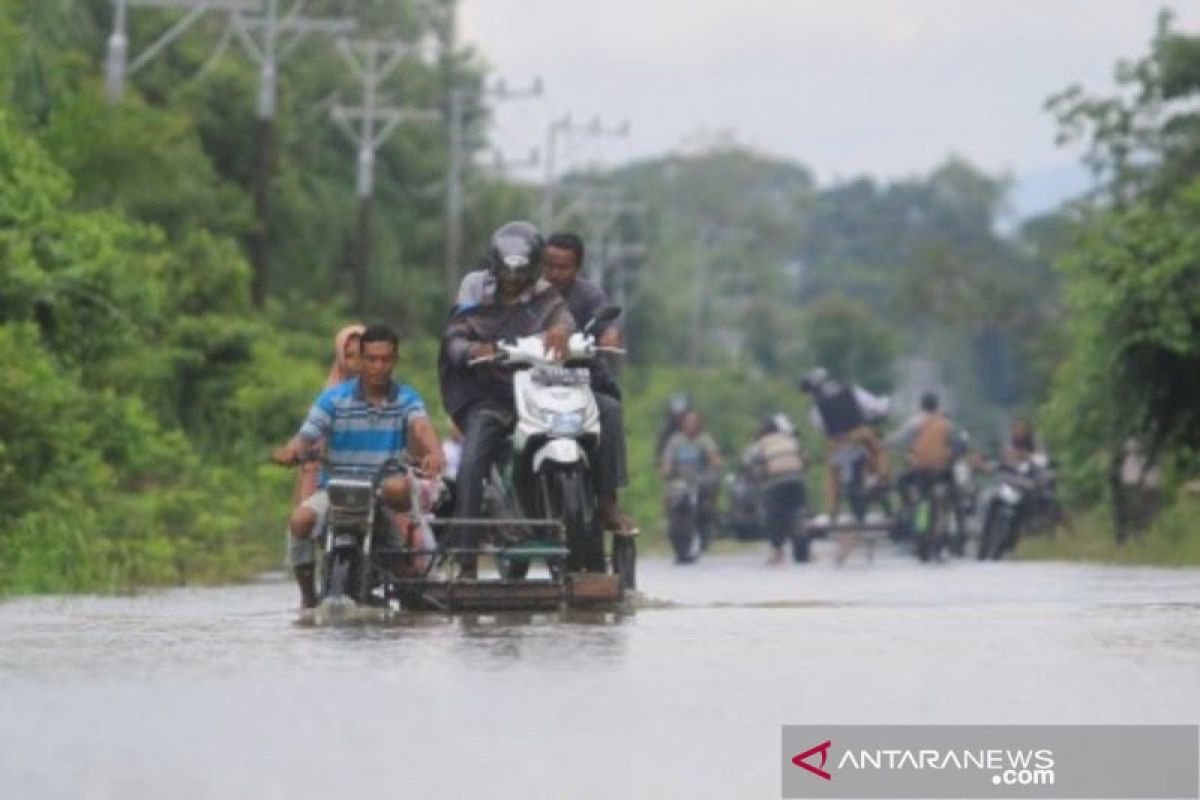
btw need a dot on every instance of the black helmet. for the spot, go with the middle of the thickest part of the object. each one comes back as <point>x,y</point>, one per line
<point>929,401</point>
<point>516,251</point>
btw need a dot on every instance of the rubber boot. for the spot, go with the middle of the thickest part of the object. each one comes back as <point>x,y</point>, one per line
<point>306,579</point>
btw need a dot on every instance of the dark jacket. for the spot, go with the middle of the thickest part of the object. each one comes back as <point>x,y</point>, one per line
<point>585,298</point>
<point>464,387</point>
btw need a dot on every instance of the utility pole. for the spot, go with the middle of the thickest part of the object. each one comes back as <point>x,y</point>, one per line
<point>709,236</point>
<point>566,127</point>
<point>456,163</point>
<point>375,124</point>
<point>118,68</point>
<point>266,40</point>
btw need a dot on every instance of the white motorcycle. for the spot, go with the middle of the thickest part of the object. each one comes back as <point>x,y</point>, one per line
<point>554,449</point>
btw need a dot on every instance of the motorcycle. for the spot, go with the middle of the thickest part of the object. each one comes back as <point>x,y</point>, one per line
<point>547,476</point>
<point>683,511</point>
<point>360,553</point>
<point>743,518</point>
<point>932,519</point>
<point>1021,491</point>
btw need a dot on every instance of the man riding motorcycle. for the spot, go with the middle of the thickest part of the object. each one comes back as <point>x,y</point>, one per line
<point>932,442</point>
<point>678,406</point>
<point>480,399</point>
<point>690,457</point>
<point>562,257</point>
<point>396,412</point>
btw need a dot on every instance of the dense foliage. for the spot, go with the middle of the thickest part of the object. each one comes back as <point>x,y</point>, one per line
<point>1133,278</point>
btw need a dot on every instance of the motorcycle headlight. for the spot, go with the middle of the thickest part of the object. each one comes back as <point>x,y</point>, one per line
<point>1009,495</point>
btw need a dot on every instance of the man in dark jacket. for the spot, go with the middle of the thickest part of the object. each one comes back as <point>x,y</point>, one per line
<point>561,261</point>
<point>480,398</point>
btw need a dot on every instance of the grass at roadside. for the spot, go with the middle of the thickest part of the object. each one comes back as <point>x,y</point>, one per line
<point>1173,540</point>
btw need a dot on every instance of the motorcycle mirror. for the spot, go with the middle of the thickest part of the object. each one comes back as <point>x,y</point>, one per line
<point>605,314</point>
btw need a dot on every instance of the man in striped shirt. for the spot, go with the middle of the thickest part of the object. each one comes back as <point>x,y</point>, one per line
<point>364,422</point>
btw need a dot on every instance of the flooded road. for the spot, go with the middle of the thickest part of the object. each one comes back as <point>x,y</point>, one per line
<point>217,693</point>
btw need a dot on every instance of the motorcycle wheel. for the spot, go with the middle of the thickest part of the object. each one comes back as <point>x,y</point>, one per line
<point>585,542</point>
<point>624,560</point>
<point>1008,541</point>
<point>682,531</point>
<point>993,542</point>
<point>340,575</point>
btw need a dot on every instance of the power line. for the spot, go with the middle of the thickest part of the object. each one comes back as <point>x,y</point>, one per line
<point>566,126</point>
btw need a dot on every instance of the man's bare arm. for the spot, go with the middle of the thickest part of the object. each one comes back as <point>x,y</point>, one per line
<point>427,447</point>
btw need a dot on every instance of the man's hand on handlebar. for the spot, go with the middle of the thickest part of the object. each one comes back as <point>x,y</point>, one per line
<point>610,338</point>
<point>432,464</point>
<point>480,350</point>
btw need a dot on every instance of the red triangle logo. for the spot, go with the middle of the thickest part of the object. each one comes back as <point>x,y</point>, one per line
<point>823,749</point>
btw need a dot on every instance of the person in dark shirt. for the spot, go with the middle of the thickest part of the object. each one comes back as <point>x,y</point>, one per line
<point>561,262</point>
<point>480,399</point>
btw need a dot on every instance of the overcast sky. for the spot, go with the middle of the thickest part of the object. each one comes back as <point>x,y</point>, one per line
<point>884,87</point>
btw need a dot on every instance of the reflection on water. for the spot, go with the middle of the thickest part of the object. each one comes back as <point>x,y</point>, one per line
<point>219,693</point>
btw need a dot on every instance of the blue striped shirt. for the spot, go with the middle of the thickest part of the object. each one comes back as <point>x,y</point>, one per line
<point>358,433</point>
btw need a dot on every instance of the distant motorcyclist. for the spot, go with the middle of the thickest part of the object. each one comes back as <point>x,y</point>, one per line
<point>480,399</point>
<point>677,406</point>
<point>1022,442</point>
<point>691,455</point>
<point>842,413</point>
<point>777,459</point>
<point>932,442</point>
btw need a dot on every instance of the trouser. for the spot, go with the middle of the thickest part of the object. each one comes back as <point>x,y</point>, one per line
<point>781,501</point>
<point>611,471</point>
<point>485,432</point>
<point>876,461</point>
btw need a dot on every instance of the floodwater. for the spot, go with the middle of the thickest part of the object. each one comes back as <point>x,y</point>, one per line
<point>219,693</point>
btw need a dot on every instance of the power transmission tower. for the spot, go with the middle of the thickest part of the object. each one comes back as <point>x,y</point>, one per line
<point>117,67</point>
<point>372,62</point>
<point>268,39</point>
<point>568,127</point>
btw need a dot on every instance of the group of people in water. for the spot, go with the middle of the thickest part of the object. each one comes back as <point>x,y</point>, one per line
<point>847,418</point>
<point>529,285</point>
<point>532,285</point>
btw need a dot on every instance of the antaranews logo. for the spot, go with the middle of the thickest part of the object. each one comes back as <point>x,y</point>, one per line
<point>1006,762</point>
<point>823,749</point>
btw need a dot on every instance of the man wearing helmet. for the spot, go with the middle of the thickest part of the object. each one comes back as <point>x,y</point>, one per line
<point>480,399</point>
<point>842,412</point>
